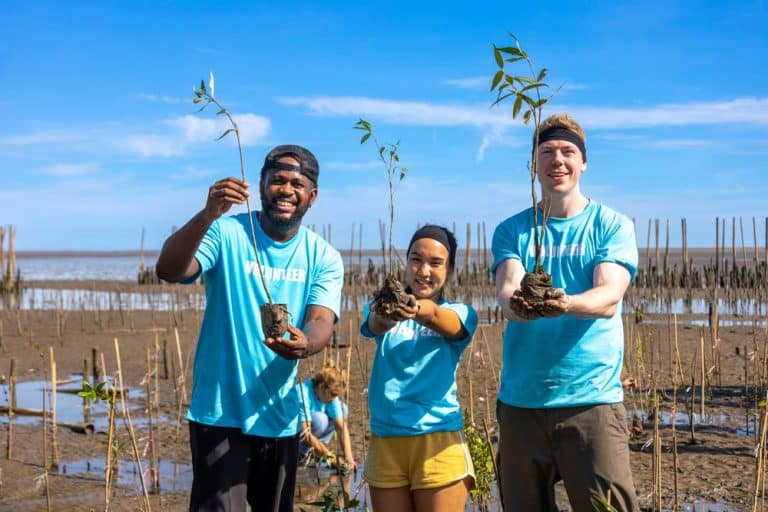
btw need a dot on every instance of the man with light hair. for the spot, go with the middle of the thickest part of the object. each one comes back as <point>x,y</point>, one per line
<point>560,404</point>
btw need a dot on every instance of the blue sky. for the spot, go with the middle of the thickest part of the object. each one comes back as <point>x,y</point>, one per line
<point>100,139</point>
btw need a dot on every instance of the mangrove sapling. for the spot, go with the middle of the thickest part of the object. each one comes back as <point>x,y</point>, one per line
<point>274,317</point>
<point>101,392</point>
<point>526,91</point>
<point>482,459</point>
<point>392,295</point>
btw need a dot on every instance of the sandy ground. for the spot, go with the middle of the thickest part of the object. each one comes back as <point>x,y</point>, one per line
<point>715,464</point>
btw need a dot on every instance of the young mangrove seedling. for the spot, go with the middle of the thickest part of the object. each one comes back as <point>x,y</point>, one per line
<point>526,93</point>
<point>392,294</point>
<point>274,317</point>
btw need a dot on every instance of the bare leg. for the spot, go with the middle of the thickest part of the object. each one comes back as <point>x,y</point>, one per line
<point>397,499</point>
<point>449,498</point>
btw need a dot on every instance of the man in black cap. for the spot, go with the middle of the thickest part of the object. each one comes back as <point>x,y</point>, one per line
<point>242,421</point>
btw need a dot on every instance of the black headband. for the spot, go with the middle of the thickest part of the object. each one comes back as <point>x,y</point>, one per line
<point>439,234</point>
<point>558,133</point>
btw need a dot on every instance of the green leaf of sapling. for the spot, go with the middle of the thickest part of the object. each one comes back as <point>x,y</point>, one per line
<point>516,107</point>
<point>364,138</point>
<point>498,57</point>
<point>497,78</point>
<point>226,132</point>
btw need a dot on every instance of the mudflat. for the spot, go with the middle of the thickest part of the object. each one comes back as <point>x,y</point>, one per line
<point>714,463</point>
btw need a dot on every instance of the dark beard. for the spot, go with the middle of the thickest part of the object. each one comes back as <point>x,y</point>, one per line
<point>281,223</point>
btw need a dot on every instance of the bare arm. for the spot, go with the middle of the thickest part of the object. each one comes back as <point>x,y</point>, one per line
<point>311,339</point>
<point>315,443</point>
<point>610,280</point>
<point>442,320</point>
<point>346,444</point>
<point>177,257</point>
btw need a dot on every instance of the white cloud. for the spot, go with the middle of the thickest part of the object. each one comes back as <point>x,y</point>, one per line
<point>253,128</point>
<point>496,136</point>
<point>43,137</point>
<point>62,170</point>
<point>472,82</point>
<point>149,145</point>
<point>401,112</point>
<point>174,139</point>
<point>405,112</point>
<point>161,98</point>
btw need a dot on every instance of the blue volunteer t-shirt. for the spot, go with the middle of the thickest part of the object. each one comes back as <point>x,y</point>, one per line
<point>238,381</point>
<point>412,389</point>
<point>305,396</point>
<point>566,361</point>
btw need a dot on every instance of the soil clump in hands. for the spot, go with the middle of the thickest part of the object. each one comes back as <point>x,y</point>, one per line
<point>391,297</point>
<point>274,320</point>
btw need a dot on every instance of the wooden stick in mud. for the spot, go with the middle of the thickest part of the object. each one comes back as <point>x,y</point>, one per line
<point>182,383</point>
<point>349,361</point>
<point>717,249</point>
<point>754,239</point>
<point>760,473</point>
<point>2,249</point>
<point>111,459</point>
<point>485,248</point>
<point>45,458</point>
<point>665,265</point>
<point>131,434</point>
<point>496,375</point>
<point>11,407</point>
<point>54,444</point>
<point>154,475</point>
<point>703,374</point>
<point>165,359</point>
<point>656,461</point>
<point>94,365</point>
<point>648,247</point>
<point>468,252</point>
<point>86,401</point>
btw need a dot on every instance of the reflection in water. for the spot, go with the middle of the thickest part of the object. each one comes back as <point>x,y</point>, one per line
<point>69,406</point>
<point>174,476</point>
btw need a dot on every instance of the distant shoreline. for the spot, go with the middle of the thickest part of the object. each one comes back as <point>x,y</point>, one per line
<point>676,251</point>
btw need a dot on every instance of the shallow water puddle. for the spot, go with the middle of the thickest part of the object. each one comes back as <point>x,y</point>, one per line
<point>69,406</point>
<point>174,476</point>
<point>736,423</point>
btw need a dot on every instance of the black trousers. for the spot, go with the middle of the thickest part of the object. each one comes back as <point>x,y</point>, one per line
<point>230,469</point>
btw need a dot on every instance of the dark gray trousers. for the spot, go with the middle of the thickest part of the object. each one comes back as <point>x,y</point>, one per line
<point>585,447</point>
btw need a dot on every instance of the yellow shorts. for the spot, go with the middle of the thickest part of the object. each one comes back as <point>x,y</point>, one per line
<point>420,462</point>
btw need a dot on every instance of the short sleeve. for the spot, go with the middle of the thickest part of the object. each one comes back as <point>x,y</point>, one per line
<point>503,245</point>
<point>327,282</point>
<point>619,244</point>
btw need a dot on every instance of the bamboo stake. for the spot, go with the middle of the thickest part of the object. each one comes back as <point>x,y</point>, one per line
<point>154,475</point>
<point>703,374</point>
<point>86,401</point>
<point>54,444</point>
<point>468,253</point>
<point>496,375</point>
<point>760,473</point>
<point>45,459</point>
<point>182,381</point>
<point>11,407</point>
<point>131,434</point>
